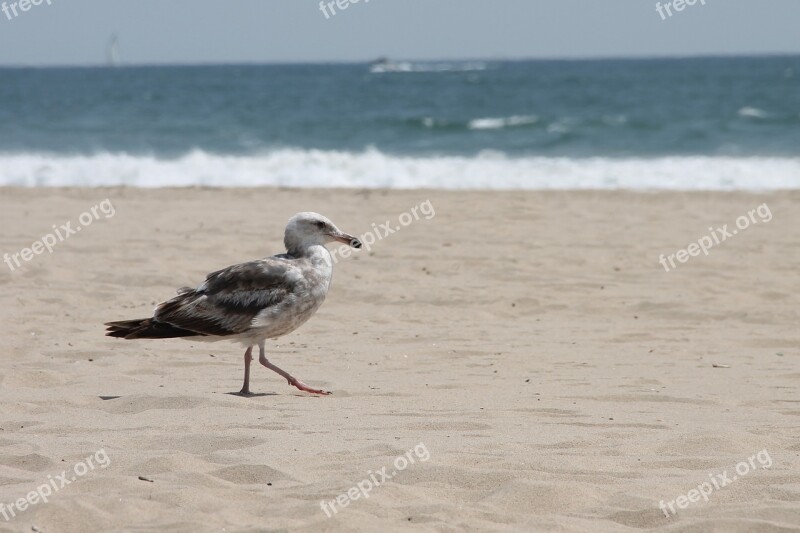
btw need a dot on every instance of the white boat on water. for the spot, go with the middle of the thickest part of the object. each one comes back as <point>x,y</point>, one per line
<point>112,52</point>
<point>384,65</point>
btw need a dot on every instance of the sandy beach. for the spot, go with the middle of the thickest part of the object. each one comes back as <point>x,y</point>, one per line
<point>525,353</point>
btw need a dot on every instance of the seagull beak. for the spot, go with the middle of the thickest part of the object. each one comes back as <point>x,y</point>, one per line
<point>347,239</point>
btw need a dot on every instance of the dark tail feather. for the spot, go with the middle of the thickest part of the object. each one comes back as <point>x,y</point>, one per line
<point>146,328</point>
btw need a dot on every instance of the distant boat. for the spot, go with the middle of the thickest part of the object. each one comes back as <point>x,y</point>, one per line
<point>112,52</point>
<point>384,64</point>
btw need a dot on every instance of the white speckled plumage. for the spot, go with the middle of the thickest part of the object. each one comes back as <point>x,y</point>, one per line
<point>254,301</point>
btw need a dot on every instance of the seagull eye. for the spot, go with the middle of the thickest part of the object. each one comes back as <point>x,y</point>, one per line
<point>319,224</point>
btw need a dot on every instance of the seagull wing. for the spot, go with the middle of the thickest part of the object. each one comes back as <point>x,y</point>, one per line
<point>231,298</point>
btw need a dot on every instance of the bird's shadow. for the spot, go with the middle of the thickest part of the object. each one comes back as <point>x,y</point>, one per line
<point>252,394</point>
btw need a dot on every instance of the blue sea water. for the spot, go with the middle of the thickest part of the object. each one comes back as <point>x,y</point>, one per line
<point>705,123</point>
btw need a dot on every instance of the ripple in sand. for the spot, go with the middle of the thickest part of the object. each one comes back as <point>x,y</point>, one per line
<point>138,404</point>
<point>250,474</point>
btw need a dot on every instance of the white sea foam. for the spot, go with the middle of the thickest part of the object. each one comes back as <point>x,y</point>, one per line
<point>373,169</point>
<point>752,112</point>
<point>499,123</point>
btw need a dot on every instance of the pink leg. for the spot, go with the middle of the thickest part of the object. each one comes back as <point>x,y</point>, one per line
<point>248,356</point>
<point>292,380</point>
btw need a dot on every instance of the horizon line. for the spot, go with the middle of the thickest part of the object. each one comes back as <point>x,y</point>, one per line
<point>100,64</point>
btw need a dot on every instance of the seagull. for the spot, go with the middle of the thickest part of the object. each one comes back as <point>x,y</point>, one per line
<point>251,302</point>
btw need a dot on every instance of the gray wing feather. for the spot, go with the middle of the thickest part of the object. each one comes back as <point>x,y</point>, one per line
<point>231,298</point>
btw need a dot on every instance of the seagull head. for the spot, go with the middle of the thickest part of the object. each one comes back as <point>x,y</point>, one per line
<point>309,229</point>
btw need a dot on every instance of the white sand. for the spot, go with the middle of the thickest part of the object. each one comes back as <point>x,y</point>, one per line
<point>558,377</point>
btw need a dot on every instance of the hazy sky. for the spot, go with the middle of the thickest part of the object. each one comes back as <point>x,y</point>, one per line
<point>220,31</point>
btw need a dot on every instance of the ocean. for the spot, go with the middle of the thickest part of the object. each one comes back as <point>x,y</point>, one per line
<point>686,124</point>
